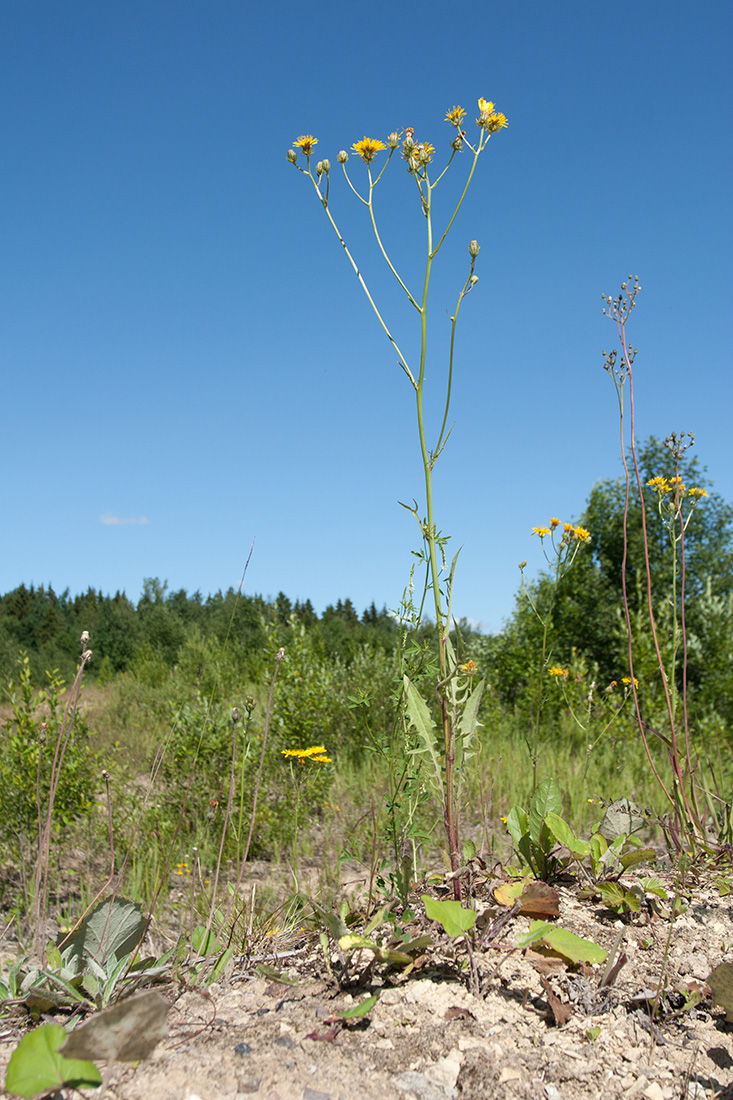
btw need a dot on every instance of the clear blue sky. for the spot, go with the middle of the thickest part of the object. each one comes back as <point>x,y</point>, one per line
<point>188,363</point>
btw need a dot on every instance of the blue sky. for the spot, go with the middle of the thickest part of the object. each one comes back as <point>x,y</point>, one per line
<point>187,361</point>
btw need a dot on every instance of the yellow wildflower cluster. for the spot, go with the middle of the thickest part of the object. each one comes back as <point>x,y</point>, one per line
<point>578,533</point>
<point>489,119</point>
<point>469,666</point>
<point>316,753</point>
<point>627,680</point>
<point>664,486</point>
<point>183,869</point>
<point>558,672</point>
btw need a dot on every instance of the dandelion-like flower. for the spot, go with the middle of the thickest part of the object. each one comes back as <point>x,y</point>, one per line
<point>541,531</point>
<point>470,666</point>
<point>368,148</point>
<point>455,116</point>
<point>305,754</point>
<point>697,493</point>
<point>659,485</point>
<point>568,528</point>
<point>581,534</point>
<point>627,680</point>
<point>424,153</point>
<point>306,142</point>
<point>554,522</point>
<point>560,673</point>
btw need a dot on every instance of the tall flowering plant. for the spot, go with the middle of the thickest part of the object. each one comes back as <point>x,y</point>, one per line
<point>458,696</point>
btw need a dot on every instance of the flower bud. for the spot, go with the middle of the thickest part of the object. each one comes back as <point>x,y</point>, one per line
<point>393,140</point>
<point>326,165</point>
<point>473,249</point>
<point>342,156</point>
<point>319,168</point>
<point>292,156</point>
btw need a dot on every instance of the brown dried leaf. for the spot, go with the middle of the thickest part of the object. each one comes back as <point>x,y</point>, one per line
<point>457,1013</point>
<point>561,1012</point>
<point>539,900</point>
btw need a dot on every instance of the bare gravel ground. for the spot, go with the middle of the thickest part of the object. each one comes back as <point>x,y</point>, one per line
<point>429,1038</point>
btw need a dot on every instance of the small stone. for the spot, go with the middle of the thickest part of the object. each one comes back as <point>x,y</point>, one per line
<point>248,1084</point>
<point>391,997</point>
<point>653,1092</point>
<point>243,1048</point>
<point>420,1085</point>
<point>509,1073</point>
<point>552,1093</point>
<point>315,1094</point>
<point>285,1041</point>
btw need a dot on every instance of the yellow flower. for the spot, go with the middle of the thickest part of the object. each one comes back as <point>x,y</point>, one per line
<point>557,671</point>
<point>468,667</point>
<point>541,531</point>
<point>424,153</point>
<point>581,534</point>
<point>568,528</point>
<point>627,680</point>
<point>659,484</point>
<point>695,492</point>
<point>368,148</point>
<point>485,107</point>
<point>496,121</point>
<point>306,143</point>
<point>321,759</point>
<point>554,523</point>
<point>315,752</point>
<point>455,116</point>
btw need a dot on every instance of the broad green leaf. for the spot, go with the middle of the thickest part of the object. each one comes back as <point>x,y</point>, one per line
<point>537,930</point>
<point>612,894</point>
<point>36,1065</point>
<point>203,942</point>
<point>573,947</point>
<point>469,850</point>
<point>455,919</point>
<point>517,824</point>
<point>546,799</point>
<point>564,835</point>
<point>640,855</point>
<point>721,983</point>
<point>114,927</point>
<point>653,885</point>
<point>352,942</point>
<point>422,722</point>
<point>359,1010</point>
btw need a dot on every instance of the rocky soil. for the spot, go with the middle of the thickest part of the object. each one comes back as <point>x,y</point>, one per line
<point>543,1029</point>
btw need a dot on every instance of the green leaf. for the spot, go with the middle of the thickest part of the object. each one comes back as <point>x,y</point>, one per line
<point>564,835</point>
<point>36,1066</point>
<point>423,724</point>
<point>630,859</point>
<point>220,965</point>
<point>517,824</point>
<point>612,895</point>
<point>469,719</point>
<point>537,930</point>
<point>455,919</point>
<point>203,942</point>
<point>546,799</point>
<point>114,927</point>
<point>330,921</point>
<point>360,1010</point>
<point>573,947</point>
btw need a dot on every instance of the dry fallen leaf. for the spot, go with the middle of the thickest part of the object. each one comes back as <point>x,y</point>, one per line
<point>457,1013</point>
<point>561,1012</point>
<point>127,1032</point>
<point>539,900</point>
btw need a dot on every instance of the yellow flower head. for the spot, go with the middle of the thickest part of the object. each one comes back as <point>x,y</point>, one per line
<point>455,116</point>
<point>541,531</point>
<point>559,672</point>
<point>659,485</point>
<point>321,759</point>
<point>304,754</point>
<point>485,107</point>
<point>581,534</point>
<point>627,680</point>
<point>698,493</point>
<point>568,528</point>
<point>468,667</point>
<point>306,143</point>
<point>368,148</point>
<point>554,523</point>
<point>424,153</point>
<point>489,119</point>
